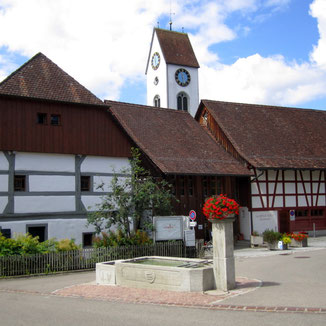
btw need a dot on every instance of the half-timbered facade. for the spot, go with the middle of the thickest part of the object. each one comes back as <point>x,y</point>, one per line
<point>57,143</point>
<point>285,148</point>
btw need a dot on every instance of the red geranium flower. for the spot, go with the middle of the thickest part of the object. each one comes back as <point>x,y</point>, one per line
<point>219,207</point>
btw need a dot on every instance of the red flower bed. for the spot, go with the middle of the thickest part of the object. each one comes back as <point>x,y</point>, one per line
<point>220,207</point>
<point>297,236</point>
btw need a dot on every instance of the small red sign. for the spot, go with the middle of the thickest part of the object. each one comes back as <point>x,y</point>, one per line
<point>192,215</point>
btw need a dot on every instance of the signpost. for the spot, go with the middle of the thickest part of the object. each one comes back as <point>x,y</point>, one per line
<point>292,215</point>
<point>192,215</point>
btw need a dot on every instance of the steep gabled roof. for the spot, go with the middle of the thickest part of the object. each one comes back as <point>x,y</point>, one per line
<point>174,141</point>
<point>273,137</point>
<point>42,79</point>
<point>176,48</point>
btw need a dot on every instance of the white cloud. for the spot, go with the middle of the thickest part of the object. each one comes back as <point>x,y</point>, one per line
<point>97,42</point>
<point>105,43</point>
<point>270,80</point>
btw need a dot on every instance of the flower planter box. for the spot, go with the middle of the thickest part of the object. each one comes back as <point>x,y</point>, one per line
<point>273,245</point>
<point>295,243</point>
<point>256,241</point>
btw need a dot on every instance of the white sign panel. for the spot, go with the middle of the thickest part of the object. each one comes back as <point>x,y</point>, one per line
<point>168,228</point>
<point>190,238</point>
<point>264,220</point>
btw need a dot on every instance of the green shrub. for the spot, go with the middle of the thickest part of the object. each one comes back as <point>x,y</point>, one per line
<point>119,238</point>
<point>66,245</point>
<point>26,244</point>
<point>271,236</point>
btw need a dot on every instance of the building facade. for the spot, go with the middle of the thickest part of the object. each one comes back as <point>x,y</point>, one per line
<point>285,148</point>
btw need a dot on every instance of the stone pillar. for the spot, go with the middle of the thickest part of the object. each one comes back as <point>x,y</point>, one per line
<point>223,254</point>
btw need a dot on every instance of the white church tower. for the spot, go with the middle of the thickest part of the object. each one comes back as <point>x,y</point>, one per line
<point>172,72</point>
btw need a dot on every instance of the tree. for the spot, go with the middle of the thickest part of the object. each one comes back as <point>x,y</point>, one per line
<point>131,197</point>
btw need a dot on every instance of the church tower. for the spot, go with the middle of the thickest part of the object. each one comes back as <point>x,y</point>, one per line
<point>172,72</point>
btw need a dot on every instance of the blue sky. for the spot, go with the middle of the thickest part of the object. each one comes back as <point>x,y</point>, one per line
<point>253,51</point>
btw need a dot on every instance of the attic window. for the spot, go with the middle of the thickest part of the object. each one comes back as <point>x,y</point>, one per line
<point>55,120</point>
<point>41,118</point>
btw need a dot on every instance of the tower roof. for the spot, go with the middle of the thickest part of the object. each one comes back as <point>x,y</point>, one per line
<point>176,48</point>
<point>41,78</point>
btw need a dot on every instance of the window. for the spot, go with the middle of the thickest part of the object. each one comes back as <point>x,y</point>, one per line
<point>39,231</point>
<point>85,183</point>
<point>317,212</point>
<point>55,120</point>
<point>157,101</point>
<point>182,102</point>
<point>87,239</point>
<point>42,118</point>
<point>6,233</point>
<point>20,183</point>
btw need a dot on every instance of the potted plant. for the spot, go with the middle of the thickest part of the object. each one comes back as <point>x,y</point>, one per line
<point>220,207</point>
<point>272,238</point>
<point>299,239</point>
<point>256,239</point>
<point>286,241</point>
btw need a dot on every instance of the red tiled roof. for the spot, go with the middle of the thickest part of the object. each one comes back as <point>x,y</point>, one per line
<point>41,78</point>
<point>174,141</point>
<point>176,48</point>
<point>273,137</point>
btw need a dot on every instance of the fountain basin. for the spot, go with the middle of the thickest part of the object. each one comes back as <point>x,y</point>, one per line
<point>162,273</point>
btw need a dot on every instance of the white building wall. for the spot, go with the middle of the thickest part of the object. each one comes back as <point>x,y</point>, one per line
<point>51,183</point>
<point>161,73</point>
<point>4,165</point>
<point>98,165</point>
<point>4,182</point>
<point>44,204</point>
<point>45,162</point>
<point>57,228</point>
<point>191,90</point>
<point>3,203</point>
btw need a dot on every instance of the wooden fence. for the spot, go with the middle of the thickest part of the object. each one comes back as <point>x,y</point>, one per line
<point>82,259</point>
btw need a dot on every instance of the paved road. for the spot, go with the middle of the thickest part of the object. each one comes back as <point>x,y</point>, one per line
<point>295,279</point>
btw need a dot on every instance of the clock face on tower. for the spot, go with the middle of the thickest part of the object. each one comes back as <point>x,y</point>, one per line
<point>156,60</point>
<point>182,77</point>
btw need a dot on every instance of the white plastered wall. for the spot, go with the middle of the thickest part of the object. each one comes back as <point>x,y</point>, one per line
<point>44,204</point>
<point>45,162</point>
<point>4,165</point>
<point>97,164</point>
<point>161,88</point>
<point>57,228</point>
<point>191,90</point>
